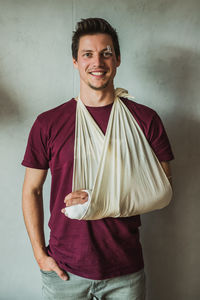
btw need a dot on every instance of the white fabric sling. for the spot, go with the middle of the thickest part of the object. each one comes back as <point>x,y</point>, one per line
<point>119,170</point>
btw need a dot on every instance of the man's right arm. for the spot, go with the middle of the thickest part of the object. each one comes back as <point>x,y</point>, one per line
<point>32,204</point>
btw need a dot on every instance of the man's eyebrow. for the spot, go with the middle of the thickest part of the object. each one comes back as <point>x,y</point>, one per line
<point>85,50</point>
<point>106,49</point>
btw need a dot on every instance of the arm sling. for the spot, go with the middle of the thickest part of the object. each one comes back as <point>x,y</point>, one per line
<point>118,170</point>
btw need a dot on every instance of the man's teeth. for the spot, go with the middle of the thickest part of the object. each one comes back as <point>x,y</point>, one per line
<point>97,73</point>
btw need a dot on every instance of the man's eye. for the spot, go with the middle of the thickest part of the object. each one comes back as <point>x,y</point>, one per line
<point>107,54</point>
<point>88,54</point>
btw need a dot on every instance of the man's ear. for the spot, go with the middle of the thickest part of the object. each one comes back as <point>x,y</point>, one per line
<point>75,63</point>
<point>118,61</point>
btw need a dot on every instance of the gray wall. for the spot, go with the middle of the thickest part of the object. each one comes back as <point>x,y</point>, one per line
<point>160,66</point>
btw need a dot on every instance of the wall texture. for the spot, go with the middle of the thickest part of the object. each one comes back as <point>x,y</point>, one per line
<point>161,66</point>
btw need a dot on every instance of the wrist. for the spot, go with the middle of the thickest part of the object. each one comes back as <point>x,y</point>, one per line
<point>40,254</point>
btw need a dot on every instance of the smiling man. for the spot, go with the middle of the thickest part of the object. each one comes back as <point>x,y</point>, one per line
<point>97,64</point>
<point>99,257</point>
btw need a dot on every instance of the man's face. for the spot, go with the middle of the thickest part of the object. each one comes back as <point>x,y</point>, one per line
<point>96,61</point>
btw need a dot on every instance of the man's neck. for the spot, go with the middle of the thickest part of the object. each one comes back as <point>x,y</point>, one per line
<point>91,97</point>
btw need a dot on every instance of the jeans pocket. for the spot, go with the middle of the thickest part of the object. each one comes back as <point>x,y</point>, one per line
<point>48,272</point>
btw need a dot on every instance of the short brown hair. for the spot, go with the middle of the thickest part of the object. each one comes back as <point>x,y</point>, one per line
<point>92,26</point>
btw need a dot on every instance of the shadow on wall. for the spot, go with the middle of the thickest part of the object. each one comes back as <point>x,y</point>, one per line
<point>171,246</point>
<point>9,110</point>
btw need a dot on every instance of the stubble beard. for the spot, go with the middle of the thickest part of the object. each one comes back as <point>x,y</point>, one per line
<point>100,88</point>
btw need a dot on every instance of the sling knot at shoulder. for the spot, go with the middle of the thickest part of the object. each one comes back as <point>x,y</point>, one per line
<point>120,92</point>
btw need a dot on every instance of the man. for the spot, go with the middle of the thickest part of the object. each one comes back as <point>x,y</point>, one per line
<point>85,259</point>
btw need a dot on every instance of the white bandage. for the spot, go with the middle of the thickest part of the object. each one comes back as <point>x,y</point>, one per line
<point>109,49</point>
<point>77,211</point>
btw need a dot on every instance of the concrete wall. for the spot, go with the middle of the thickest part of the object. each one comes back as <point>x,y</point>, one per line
<point>160,65</point>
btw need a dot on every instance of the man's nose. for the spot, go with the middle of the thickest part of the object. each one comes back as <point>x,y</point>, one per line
<point>98,60</point>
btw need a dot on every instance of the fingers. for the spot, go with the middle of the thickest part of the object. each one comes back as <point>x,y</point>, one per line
<point>74,201</point>
<point>60,273</point>
<point>49,264</point>
<point>78,197</point>
<point>63,210</point>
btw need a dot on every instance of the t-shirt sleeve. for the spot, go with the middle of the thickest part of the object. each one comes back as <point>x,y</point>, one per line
<point>158,140</point>
<point>36,154</point>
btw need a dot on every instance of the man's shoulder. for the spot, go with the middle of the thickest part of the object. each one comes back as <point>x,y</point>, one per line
<point>139,110</point>
<point>57,113</point>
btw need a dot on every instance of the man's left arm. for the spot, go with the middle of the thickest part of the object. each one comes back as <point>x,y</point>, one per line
<point>167,169</point>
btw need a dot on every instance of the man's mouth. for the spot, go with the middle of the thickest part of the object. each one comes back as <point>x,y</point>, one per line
<point>98,73</point>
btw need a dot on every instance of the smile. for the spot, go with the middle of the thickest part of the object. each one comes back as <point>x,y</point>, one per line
<point>98,73</point>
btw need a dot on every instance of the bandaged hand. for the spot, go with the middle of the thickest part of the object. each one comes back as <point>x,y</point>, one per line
<point>76,204</point>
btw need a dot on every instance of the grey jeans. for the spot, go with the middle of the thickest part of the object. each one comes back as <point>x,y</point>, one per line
<point>126,287</point>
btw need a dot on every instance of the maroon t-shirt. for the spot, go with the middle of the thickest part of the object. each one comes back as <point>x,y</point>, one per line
<point>96,249</point>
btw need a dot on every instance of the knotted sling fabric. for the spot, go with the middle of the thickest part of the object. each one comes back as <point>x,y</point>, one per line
<point>119,170</point>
